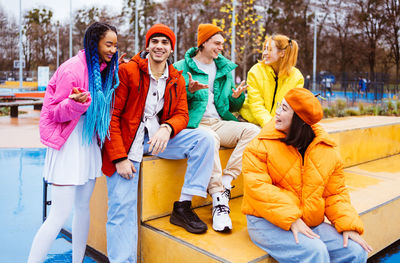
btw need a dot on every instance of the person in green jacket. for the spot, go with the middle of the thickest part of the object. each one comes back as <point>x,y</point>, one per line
<point>270,79</point>
<point>212,97</point>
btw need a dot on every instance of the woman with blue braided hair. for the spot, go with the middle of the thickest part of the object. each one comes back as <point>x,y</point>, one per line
<point>74,124</point>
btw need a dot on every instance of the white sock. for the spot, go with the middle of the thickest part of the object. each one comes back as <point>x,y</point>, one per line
<point>226,181</point>
<point>81,220</point>
<point>185,197</point>
<point>62,198</point>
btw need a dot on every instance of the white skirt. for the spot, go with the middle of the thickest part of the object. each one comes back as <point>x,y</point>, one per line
<point>75,163</point>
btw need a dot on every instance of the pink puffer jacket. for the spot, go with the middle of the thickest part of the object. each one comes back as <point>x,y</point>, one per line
<point>60,114</point>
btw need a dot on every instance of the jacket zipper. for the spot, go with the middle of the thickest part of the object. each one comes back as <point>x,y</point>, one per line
<point>276,88</point>
<point>170,97</point>
<point>170,103</point>
<point>301,178</point>
<point>176,93</point>
<point>134,137</point>
<point>302,170</point>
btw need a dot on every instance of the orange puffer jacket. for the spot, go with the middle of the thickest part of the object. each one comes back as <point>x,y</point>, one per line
<point>281,187</point>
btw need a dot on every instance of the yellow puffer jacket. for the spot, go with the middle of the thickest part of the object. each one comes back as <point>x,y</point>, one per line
<point>259,108</point>
<point>279,187</point>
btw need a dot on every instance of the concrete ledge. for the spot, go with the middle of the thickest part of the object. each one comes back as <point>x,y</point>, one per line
<point>161,185</point>
<point>374,193</point>
<point>371,191</point>
<point>218,247</point>
<point>164,178</point>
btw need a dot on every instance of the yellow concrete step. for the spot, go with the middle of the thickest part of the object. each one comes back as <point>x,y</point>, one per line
<point>363,139</point>
<point>366,138</point>
<point>360,139</point>
<point>374,192</point>
<point>159,237</point>
<point>161,184</point>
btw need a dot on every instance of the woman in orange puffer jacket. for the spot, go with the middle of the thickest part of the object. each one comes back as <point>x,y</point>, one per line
<point>293,177</point>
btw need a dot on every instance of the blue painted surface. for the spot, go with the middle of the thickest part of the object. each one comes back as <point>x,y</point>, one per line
<point>391,258</point>
<point>390,254</point>
<point>21,189</point>
<point>354,96</point>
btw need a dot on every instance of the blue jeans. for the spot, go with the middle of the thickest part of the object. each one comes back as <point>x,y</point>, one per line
<point>280,244</point>
<point>122,227</point>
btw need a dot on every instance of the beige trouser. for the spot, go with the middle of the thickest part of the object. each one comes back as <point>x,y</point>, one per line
<point>230,134</point>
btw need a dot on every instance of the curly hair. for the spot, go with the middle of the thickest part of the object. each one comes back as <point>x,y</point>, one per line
<point>98,115</point>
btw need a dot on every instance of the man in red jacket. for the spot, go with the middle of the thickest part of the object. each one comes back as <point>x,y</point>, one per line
<point>150,116</point>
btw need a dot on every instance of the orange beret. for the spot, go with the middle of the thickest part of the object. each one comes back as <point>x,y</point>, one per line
<point>205,31</point>
<point>305,104</point>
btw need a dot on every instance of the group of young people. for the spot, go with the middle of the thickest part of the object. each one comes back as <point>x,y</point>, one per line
<point>100,115</point>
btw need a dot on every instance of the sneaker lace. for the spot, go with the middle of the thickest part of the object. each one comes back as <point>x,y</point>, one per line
<point>227,193</point>
<point>221,209</point>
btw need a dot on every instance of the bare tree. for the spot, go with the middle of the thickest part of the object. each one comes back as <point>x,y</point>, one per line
<point>392,32</point>
<point>147,15</point>
<point>371,19</point>
<point>40,37</point>
<point>190,14</point>
<point>84,17</point>
<point>345,49</point>
<point>9,40</point>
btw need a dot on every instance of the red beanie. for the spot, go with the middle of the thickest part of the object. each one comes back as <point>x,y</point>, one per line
<point>162,29</point>
<point>205,31</point>
<point>305,104</point>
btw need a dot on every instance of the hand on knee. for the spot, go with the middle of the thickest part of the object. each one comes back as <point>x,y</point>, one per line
<point>356,238</point>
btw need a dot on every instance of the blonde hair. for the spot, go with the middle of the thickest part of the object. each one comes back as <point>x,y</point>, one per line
<point>284,43</point>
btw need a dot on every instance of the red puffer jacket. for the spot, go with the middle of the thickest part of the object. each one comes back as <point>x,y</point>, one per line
<point>130,99</point>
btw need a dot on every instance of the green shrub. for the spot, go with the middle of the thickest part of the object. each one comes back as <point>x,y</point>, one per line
<point>369,110</point>
<point>361,108</point>
<point>341,104</point>
<point>328,113</point>
<point>340,107</point>
<point>4,111</point>
<point>351,112</point>
<point>390,106</point>
<point>378,110</point>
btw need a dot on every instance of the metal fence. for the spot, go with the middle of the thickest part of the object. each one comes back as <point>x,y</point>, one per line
<point>352,92</point>
<point>14,76</point>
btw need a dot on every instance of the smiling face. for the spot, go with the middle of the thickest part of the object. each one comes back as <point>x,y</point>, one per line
<point>107,46</point>
<point>271,54</point>
<point>159,49</point>
<point>283,117</point>
<point>213,46</point>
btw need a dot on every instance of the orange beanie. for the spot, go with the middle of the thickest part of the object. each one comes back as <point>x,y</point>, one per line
<point>205,31</point>
<point>305,104</point>
<point>162,29</point>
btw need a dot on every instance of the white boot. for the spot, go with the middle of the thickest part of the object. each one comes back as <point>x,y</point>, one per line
<point>221,220</point>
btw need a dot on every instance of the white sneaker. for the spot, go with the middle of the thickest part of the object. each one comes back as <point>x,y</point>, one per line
<point>221,220</point>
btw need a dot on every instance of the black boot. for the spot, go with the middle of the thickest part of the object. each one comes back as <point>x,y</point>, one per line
<point>183,216</point>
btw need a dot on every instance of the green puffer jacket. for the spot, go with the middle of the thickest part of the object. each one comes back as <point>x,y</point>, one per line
<point>223,84</point>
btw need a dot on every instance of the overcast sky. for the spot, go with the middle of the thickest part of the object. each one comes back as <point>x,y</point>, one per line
<point>59,7</point>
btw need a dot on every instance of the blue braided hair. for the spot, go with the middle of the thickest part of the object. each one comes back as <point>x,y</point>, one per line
<point>98,115</point>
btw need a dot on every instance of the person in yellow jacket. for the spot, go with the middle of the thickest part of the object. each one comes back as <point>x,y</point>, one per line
<point>293,177</point>
<point>270,79</point>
